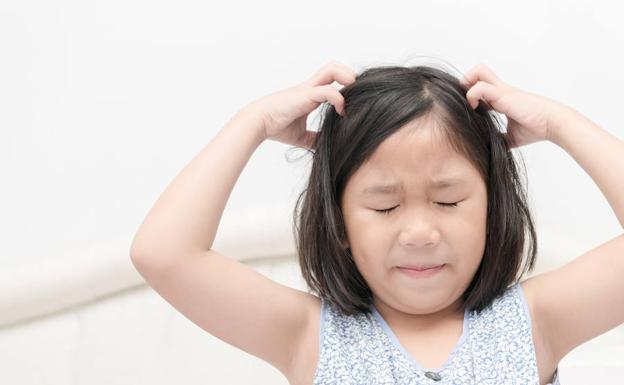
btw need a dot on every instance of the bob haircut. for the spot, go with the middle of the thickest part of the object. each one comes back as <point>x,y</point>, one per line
<point>377,104</point>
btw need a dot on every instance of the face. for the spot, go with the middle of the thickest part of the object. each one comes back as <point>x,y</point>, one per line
<point>420,229</point>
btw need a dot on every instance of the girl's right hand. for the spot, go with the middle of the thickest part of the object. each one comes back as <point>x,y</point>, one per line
<point>284,113</point>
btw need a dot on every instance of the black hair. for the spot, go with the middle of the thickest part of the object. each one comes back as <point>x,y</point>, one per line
<point>377,104</point>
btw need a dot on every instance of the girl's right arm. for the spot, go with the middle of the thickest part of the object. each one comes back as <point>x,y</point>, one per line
<point>172,248</point>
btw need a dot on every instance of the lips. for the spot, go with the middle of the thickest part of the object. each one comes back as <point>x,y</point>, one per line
<point>419,267</point>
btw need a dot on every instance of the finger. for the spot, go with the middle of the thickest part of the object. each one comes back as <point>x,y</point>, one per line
<point>484,91</point>
<point>352,75</point>
<point>330,72</point>
<point>480,72</point>
<point>328,93</point>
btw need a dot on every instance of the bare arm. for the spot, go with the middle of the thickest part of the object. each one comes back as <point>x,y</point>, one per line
<point>185,218</point>
<point>173,251</point>
<point>584,298</point>
<point>597,151</point>
<point>228,299</point>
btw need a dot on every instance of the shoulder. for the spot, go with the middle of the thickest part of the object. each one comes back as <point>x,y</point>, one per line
<point>508,304</point>
<point>306,357</point>
<point>580,300</point>
<point>543,348</point>
<point>547,360</point>
<point>507,318</point>
<point>527,291</point>
<point>327,321</point>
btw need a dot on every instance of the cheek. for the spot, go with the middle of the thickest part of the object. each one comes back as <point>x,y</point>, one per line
<point>366,227</point>
<point>362,267</point>
<point>467,238</point>
<point>368,265</point>
<point>475,246</point>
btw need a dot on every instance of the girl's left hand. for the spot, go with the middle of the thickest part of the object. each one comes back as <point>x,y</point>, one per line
<point>529,116</point>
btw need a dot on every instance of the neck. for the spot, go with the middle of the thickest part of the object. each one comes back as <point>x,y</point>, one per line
<point>406,319</point>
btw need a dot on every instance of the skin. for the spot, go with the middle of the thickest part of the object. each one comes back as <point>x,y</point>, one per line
<point>419,230</point>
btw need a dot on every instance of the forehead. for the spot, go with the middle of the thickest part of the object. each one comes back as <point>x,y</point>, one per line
<point>420,156</point>
<point>438,184</point>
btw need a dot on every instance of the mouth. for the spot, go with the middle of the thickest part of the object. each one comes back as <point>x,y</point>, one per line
<point>420,267</point>
<point>421,272</point>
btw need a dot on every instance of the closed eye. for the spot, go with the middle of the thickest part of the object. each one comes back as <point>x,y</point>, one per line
<point>387,211</point>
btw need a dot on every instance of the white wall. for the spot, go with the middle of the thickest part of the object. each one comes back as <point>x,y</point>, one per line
<point>103,102</point>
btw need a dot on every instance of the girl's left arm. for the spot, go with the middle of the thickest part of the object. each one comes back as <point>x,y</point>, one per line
<point>598,152</point>
<point>585,298</point>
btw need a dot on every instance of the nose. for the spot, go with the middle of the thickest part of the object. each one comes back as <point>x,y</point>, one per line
<point>419,230</point>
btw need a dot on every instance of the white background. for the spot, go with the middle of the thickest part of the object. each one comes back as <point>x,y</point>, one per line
<point>102,103</point>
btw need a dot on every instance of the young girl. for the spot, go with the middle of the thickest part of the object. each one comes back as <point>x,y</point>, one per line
<point>411,235</point>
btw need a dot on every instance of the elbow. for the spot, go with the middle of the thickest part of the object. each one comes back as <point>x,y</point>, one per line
<point>137,254</point>
<point>155,258</point>
<point>145,259</point>
<point>139,259</point>
<point>136,250</point>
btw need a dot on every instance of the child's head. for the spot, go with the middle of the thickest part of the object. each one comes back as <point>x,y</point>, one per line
<point>412,126</point>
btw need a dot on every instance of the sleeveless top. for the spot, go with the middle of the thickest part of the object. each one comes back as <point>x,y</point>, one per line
<point>496,347</point>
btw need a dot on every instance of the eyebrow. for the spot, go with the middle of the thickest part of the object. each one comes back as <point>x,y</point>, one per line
<point>386,189</point>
